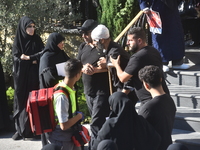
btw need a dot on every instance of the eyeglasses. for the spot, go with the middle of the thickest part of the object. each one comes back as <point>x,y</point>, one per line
<point>31,27</point>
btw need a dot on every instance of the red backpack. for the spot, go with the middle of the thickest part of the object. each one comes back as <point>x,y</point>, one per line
<point>41,110</point>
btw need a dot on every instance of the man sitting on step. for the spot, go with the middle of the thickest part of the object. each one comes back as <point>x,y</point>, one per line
<point>160,110</point>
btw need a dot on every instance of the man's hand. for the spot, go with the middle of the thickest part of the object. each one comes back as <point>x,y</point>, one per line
<point>115,62</point>
<point>102,63</point>
<point>147,11</point>
<point>88,69</point>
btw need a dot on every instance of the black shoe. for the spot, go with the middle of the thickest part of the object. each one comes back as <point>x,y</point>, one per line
<point>16,136</point>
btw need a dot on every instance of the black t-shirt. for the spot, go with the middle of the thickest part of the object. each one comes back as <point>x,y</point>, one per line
<point>146,56</point>
<point>96,84</point>
<point>160,113</point>
<point>115,50</point>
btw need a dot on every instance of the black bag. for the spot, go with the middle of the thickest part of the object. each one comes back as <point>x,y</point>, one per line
<point>187,9</point>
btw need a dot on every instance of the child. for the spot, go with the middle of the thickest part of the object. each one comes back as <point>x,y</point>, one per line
<point>63,132</point>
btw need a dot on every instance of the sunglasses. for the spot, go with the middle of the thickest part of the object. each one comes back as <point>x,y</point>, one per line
<point>31,27</point>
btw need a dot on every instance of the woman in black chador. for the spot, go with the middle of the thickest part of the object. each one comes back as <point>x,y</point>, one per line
<point>126,128</point>
<point>26,48</point>
<point>48,75</point>
<point>53,55</point>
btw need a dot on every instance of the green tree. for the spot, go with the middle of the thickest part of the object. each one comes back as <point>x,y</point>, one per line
<point>46,14</point>
<point>116,14</point>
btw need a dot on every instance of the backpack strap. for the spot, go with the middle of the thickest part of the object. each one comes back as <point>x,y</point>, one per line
<point>60,89</point>
<point>76,96</point>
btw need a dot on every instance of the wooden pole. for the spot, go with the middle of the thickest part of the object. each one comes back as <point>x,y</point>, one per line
<point>128,26</point>
<point>109,66</point>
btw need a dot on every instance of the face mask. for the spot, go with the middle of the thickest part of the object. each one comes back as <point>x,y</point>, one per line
<point>100,46</point>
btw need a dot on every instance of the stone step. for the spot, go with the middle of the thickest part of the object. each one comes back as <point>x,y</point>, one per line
<point>193,54</point>
<point>188,138</point>
<point>187,119</point>
<point>186,96</point>
<point>191,78</point>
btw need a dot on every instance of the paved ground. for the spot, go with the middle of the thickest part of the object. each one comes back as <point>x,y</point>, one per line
<point>7,143</point>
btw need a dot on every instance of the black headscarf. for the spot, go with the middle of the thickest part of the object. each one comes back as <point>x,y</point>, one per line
<point>25,72</point>
<point>118,127</point>
<point>25,43</point>
<point>53,54</point>
<point>126,128</point>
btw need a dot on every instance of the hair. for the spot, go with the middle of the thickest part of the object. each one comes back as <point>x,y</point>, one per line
<point>152,75</point>
<point>73,67</point>
<point>138,32</point>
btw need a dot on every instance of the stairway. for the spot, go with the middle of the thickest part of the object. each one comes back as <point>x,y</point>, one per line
<point>184,88</point>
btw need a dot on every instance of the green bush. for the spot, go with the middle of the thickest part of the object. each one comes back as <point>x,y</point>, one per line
<point>82,101</point>
<point>10,98</point>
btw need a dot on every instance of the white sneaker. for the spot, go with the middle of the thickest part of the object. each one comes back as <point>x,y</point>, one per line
<point>165,68</point>
<point>183,66</point>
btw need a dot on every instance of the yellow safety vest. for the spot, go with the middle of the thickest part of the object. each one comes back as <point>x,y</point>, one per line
<point>71,97</point>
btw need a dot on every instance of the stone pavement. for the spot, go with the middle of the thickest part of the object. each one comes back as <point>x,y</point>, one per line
<point>7,143</point>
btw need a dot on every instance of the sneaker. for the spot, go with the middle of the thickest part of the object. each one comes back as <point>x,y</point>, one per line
<point>16,136</point>
<point>165,68</point>
<point>183,66</point>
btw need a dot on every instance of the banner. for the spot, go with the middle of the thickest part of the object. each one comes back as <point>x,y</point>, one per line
<point>154,21</point>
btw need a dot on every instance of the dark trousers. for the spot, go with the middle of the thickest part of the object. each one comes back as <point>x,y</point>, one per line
<point>192,26</point>
<point>99,109</point>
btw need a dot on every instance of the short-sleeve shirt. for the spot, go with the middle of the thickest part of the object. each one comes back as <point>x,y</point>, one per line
<point>160,113</point>
<point>146,56</point>
<point>62,107</point>
<point>96,84</point>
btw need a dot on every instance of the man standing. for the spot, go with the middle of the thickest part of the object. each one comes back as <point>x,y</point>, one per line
<point>103,42</point>
<point>160,110</point>
<point>143,55</point>
<point>170,43</point>
<point>95,80</point>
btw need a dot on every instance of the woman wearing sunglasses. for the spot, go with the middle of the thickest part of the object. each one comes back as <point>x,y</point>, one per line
<point>26,56</point>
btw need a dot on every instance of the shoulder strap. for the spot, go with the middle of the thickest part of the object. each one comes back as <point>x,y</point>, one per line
<point>76,96</point>
<point>60,89</point>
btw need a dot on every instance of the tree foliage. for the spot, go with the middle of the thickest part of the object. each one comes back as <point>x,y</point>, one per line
<point>116,14</point>
<point>45,13</point>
